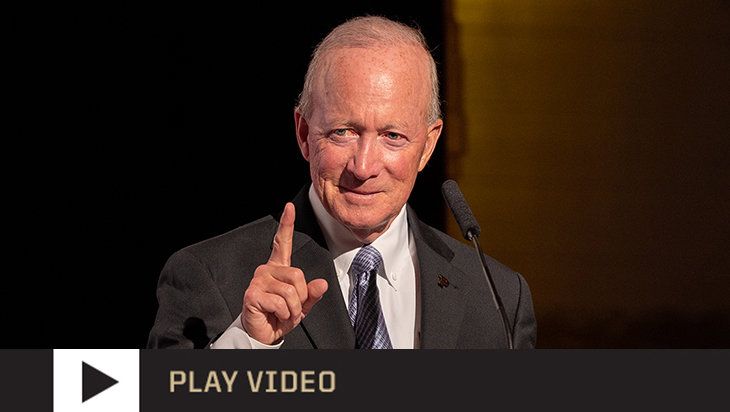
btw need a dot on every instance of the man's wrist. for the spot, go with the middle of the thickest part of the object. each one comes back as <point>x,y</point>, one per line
<point>236,337</point>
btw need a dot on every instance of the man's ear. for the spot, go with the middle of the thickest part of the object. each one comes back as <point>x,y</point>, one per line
<point>432,137</point>
<point>302,133</point>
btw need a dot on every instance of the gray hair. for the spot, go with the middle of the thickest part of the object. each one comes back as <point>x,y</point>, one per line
<point>368,32</point>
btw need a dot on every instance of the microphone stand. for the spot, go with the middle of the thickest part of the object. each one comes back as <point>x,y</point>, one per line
<point>493,288</point>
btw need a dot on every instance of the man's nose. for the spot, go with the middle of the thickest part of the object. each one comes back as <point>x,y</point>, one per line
<point>366,162</point>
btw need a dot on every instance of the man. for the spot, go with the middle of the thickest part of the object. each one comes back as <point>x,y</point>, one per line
<point>367,122</point>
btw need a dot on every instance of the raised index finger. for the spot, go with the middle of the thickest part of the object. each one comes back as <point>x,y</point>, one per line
<point>281,253</point>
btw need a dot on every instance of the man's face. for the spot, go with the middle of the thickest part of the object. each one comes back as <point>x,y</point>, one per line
<point>367,139</point>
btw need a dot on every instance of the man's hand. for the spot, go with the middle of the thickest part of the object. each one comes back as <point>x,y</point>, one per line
<point>278,297</point>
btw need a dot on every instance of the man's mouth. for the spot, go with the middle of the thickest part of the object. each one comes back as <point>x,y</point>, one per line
<point>359,192</point>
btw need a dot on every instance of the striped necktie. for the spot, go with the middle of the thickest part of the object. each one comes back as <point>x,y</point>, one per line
<point>365,313</point>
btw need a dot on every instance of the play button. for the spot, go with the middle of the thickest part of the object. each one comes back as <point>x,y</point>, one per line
<point>94,381</point>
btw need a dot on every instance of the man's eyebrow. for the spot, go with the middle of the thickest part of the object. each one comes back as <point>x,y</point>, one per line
<point>352,124</point>
<point>339,122</point>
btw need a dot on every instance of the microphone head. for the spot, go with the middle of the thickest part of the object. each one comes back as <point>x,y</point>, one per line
<point>460,209</point>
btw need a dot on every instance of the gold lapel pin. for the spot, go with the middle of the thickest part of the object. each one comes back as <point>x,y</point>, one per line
<point>443,282</point>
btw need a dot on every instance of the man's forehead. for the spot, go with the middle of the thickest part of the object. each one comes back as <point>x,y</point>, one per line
<point>337,121</point>
<point>400,68</point>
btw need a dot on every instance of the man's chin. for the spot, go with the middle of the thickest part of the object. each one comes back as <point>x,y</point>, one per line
<point>366,230</point>
<point>364,226</point>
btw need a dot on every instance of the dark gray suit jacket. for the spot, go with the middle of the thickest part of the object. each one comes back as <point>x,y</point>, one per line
<point>200,290</point>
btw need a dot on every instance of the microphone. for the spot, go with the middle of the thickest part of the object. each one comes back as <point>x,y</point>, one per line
<point>470,230</point>
<point>460,209</point>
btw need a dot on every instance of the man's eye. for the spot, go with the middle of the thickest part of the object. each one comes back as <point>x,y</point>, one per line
<point>340,132</point>
<point>393,136</point>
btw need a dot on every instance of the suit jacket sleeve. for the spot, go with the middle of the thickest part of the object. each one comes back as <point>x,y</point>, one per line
<point>524,328</point>
<point>191,306</point>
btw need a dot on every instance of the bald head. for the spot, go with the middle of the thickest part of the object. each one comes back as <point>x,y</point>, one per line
<point>372,32</point>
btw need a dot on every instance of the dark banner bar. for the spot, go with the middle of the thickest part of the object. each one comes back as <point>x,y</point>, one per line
<point>26,380</point>
<point>180,381</point>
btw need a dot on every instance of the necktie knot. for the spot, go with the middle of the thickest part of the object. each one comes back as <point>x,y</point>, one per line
<point>366,259</point>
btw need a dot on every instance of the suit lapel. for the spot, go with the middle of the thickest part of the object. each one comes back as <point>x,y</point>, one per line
<point>328,324</point>
<point>442,307</point>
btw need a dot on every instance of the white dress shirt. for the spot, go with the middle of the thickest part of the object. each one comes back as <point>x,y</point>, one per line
<point>397,279</point>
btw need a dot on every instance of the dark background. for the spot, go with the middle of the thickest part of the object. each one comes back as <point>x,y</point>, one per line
<point>139,131</point>
<point>136,131</point>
